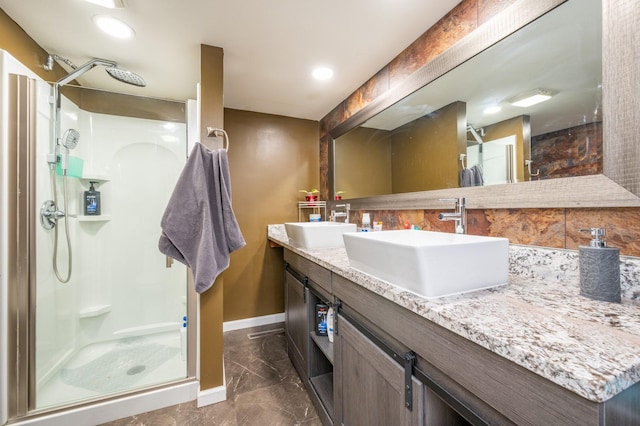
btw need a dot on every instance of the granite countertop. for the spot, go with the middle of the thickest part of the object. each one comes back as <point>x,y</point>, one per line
<point>539,320</point>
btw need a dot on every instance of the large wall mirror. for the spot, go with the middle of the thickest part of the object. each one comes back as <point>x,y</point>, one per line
<point>466,127</point>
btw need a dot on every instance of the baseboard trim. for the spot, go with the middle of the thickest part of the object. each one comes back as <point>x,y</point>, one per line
<point>252,322</point>
<point>212,396</point>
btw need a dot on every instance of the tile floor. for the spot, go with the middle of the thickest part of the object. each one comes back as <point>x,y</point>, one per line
<point>263,388</point>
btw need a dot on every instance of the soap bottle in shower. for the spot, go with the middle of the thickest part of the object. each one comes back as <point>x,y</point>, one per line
<point>599,268</point>
<point>92,201</point>
<point>183,339</point>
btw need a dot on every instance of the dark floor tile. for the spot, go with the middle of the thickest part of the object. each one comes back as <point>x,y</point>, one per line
<point>263,388</point>
<point>284,404</point>
<point>252,367</point>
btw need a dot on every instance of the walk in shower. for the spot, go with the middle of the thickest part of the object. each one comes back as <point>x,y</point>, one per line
<point>114,319</point>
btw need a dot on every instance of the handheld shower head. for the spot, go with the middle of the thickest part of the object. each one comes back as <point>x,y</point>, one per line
<point>69,141</point>
<point>126,76</point>
<point>70,138</point>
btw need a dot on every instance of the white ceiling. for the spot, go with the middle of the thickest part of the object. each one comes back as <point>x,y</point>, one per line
<point>270,47</point>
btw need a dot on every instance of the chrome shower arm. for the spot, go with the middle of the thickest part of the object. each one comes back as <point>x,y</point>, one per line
<point>84,68</point>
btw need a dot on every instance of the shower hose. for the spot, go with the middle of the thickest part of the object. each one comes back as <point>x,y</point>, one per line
<point>66,226</point>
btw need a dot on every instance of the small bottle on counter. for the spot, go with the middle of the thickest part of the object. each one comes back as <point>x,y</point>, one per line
<point>599,268</point>
<point>366,223</point>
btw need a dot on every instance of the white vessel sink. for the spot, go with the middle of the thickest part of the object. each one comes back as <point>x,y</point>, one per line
<point>313,235</point>
<point>430,264</point>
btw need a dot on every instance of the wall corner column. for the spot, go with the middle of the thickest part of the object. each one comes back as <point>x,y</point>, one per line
<point>211,301</point>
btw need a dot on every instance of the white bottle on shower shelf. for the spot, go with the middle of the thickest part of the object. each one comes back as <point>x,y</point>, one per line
<point>183,338</point>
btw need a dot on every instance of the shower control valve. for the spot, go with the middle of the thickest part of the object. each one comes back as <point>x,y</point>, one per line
<point>49,215</point>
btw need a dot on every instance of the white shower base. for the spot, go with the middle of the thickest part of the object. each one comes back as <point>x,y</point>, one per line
<point>113,367</point>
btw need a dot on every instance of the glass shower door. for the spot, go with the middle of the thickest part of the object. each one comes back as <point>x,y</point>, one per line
<point>117,324</point>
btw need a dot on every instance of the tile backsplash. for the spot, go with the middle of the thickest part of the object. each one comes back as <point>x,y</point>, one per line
<point>552,228</point>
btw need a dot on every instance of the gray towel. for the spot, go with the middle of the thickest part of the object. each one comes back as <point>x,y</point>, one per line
<point>471,177</point>
<point>477,180</point>
<point>199,228</point>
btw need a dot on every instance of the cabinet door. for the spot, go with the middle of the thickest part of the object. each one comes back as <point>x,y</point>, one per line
<point>296,322</point>
<point>372,383</point>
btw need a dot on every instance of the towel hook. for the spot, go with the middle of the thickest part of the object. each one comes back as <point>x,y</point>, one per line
<point>213,132</point>
<point>462,161</point>
<point>528,164</point>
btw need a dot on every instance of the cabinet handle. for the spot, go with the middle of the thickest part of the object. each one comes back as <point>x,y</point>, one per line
<point>336,308</point>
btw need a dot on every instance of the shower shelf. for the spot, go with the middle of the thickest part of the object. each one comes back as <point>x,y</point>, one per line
<point>94,311</point>
<point>95,178</point>
<point>100,218</point>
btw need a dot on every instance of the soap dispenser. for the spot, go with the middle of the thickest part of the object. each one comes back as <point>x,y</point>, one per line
<point>599,268</point>
<point>92,201</point>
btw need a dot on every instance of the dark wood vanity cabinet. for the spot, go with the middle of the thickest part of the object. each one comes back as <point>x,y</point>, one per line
<point>360,378</point>
<point>306,286</point>
<point>350,381</point>
<point>296,324</point>
<point>370,384</point>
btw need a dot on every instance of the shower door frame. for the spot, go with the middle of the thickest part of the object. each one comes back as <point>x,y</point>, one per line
<point>21,272</point>
<point>21,242</point>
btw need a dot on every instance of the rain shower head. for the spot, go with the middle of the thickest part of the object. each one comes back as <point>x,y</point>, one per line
<point>126,76</point>
<point>119,74</point>
<point>70,138</point>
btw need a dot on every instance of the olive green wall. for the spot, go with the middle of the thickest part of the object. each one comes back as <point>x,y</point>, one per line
<point>211,301</point>
<point>270,159</point>
<point>363,163</point>
<point>14,40</point>
<point>425,151</point>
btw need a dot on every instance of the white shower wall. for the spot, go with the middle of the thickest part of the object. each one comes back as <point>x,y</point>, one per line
<point>122,267</point>
<point>119,285</point>
<point>56,305</point>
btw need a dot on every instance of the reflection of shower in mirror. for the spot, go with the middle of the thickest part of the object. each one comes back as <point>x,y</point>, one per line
<point>496,159</point>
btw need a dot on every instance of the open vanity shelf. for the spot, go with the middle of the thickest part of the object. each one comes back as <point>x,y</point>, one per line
<point>311,354</point>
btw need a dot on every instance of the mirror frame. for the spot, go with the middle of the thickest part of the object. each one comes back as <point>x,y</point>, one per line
<point>618,186</point>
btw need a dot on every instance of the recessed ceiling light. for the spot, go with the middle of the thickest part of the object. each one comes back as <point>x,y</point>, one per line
<point>111,4</point>
<point>114,27</point>
<point>322,73</point>
<point>492,109</point>
<point>531,98</point>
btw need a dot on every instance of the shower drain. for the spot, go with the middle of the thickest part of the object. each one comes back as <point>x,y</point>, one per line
<point>135,370</point>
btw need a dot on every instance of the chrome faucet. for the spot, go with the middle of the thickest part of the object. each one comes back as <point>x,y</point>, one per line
<point>345,213</point>
<point>459,216</point>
